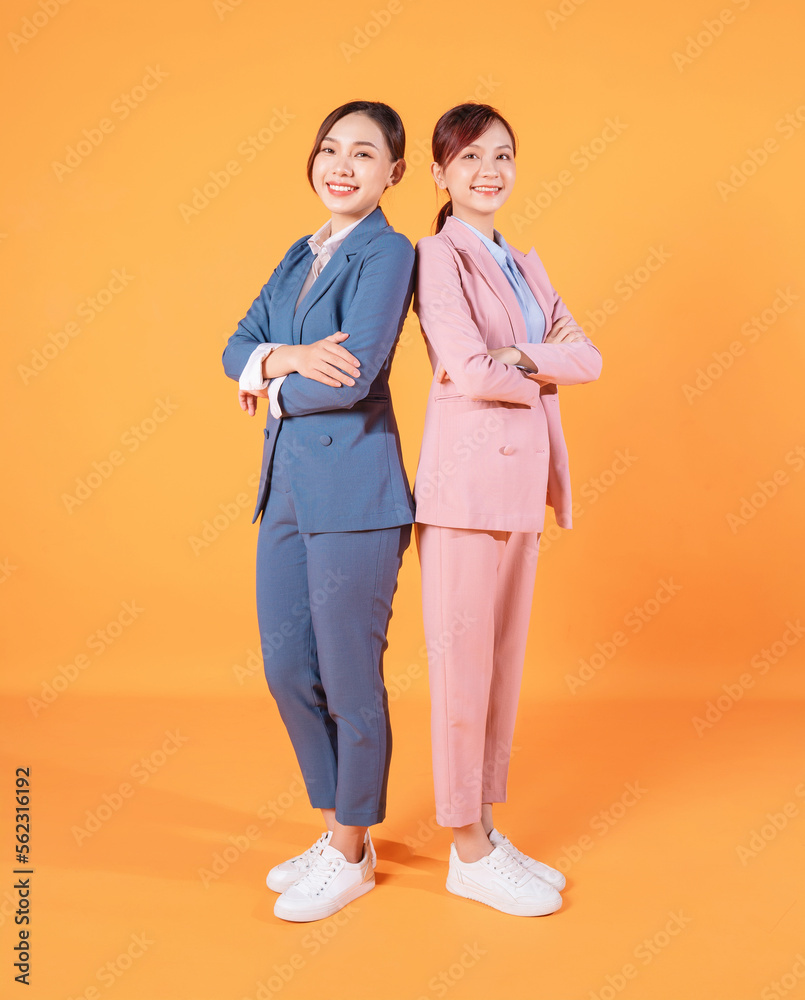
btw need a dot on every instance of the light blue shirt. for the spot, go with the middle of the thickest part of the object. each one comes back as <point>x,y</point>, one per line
<point>530,308</point>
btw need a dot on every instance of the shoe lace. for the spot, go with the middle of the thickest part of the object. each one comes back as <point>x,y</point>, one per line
<point>317,878</point>
<point>305,859</point>
<point>511,869</point>
<point>522,858</point>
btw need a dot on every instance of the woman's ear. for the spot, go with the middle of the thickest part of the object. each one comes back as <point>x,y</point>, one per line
<point>438,175</point>
<point>397,172</point>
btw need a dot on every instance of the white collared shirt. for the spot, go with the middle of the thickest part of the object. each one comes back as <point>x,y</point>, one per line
<point>251,378</point>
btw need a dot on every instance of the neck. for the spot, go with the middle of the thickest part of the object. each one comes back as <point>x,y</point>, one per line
<point>483,223</point>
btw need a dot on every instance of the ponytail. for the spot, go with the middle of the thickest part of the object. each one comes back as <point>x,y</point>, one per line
<point>444,211</point>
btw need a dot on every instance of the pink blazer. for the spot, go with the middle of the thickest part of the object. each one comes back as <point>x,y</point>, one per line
<point>493,450</point>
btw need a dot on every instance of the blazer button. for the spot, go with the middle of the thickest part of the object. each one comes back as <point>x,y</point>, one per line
<point>266,432</point>
<point>326,439</point>
<point>506,449</point>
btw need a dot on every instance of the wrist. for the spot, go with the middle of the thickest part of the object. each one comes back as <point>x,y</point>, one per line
<point>279,362</point>
<point>523,361</point>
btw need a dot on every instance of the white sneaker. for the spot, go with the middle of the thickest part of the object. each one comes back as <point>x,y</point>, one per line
<point>330,883</point>
<point>500,880</point>
<point>287,872</point>
<point>543,871</point>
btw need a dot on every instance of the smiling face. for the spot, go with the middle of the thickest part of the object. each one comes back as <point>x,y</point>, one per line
<point>480,178</point>
<point>352,168</point>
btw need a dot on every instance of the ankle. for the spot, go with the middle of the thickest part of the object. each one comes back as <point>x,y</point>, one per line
<point>472,842</point>
<point>350,841</point>
<point>470,853</point>
<point>486,818</point>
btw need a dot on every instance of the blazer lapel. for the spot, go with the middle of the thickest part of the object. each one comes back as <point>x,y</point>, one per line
<point>468,243</point>
<point>353,244</point>
<point>284,299</point>
<point>529,265</point>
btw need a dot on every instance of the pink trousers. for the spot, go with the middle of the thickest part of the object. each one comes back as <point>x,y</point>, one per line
<point>477,590</point>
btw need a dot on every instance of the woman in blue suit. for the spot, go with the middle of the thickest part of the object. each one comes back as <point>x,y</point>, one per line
<point>318,341</point>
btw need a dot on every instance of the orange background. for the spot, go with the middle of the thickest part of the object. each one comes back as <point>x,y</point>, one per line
<point>131,634</point>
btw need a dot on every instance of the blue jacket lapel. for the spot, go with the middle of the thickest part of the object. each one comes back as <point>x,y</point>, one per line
<point>352,245</point>
<point>297,265</point>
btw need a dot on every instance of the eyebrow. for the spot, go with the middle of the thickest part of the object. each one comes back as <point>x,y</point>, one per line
<point>475,145</point>
<point>357,142</point>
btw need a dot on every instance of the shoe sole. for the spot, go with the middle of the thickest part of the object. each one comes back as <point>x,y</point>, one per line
<point>284,881</point>
<point>326,909</point>
<point>459,889</point>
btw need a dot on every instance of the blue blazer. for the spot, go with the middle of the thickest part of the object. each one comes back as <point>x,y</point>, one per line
<point>341,443</point>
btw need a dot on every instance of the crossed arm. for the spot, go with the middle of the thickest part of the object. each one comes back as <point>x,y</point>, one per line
<point>324,375</point>
<point>564,330</point>
<point>566,356</point>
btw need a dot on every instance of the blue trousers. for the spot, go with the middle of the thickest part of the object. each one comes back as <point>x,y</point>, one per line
<point>323,605</point>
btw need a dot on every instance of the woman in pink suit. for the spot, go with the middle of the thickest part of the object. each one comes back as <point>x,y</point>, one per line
<point>500,340</point>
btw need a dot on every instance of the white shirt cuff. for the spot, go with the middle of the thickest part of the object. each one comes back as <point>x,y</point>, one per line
<point>273,396</point>
<point>251,378</point>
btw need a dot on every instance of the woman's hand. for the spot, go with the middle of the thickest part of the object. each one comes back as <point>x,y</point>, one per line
<point>564,332</point>
<point>324,360</point>
<point>507,355</point>
<point>248,400</point>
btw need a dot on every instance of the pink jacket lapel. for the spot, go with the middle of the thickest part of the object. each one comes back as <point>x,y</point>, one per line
<point>531,266</point>
<point>467,242</point>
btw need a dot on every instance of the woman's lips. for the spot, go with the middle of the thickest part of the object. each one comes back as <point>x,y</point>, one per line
<point>341,190</point>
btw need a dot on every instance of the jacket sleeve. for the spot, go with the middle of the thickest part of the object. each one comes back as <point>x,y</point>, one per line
<point>252,329</point>
<point>564,364</point>
<point>447,323</point>
<point>373,321</point>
